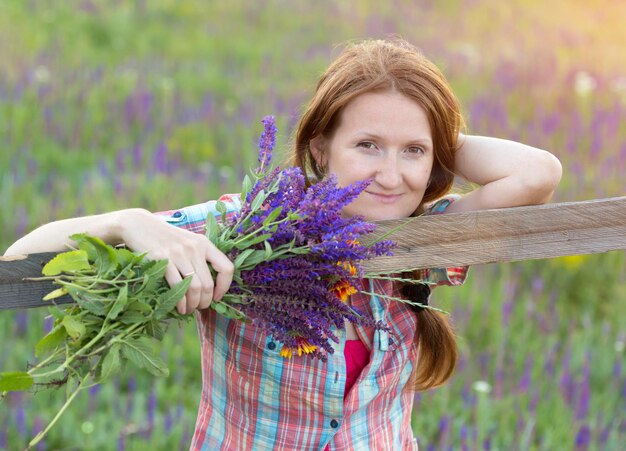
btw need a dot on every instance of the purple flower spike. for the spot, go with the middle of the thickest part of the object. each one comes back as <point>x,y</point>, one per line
<point>583,438</point>
<point>266,143</point>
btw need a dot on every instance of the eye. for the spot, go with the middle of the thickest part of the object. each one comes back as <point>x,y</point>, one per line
<point>367,145</point>
<point>416,150</point>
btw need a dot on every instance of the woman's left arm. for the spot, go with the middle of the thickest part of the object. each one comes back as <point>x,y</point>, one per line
<point>509,173</point>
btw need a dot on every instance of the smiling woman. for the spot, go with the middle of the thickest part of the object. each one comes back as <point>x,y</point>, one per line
<point>383,136</point>
<point>381,112</point>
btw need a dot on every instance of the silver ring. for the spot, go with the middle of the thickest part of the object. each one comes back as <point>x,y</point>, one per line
<point>188,274</point>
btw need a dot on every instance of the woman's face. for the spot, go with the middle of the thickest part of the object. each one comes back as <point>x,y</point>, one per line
<point>384,136</point>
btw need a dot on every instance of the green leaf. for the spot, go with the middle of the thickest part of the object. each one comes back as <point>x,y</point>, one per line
<point>268,250</point>
<point>51,341</point>
<point>105,256</point>
<point>241,257</point>
<point>139,305</point>
<point>154,329</point>
<point>224,246</point>
<point>246,185</point>
<point>119,304</point>
<point>153,275</point>
<point>84,245</point>
<point>254,259</point>
<point>128,259</point>
<point>15,381</point>
<point>227,311</point>
<point>56,312</point>
<point>251,241</point>
<point>55,294</point>
<point>168,300</point>
<point>74,327</point>
<point>220,207</point>
<point>111,363</point>
<point>133,317</point>
<point>140,352</point>
<point>272,216</point>
<point>258,201</point>
<point>212,228</point>
<point>69,262</point>
<point>89,301</point>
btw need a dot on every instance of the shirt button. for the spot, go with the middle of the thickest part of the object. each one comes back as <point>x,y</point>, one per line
<point>334,423</point>
<point>178,214</point>
<point>271,345</point>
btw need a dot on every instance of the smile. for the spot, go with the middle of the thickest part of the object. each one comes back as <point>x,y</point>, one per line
<point>384,198</point>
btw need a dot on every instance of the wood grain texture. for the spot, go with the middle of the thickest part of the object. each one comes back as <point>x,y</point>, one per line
<point>503,235</point>
<point>16,293</point>
<point>487,236</point>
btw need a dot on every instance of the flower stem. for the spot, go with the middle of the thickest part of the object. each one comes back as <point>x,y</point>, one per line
<point>404,301</point>
<point>41,434</point>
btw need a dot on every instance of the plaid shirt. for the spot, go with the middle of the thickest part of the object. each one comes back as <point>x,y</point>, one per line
<point>254,399</point>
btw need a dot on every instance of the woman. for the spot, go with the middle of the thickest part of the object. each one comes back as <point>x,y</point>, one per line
<point>380,111</point>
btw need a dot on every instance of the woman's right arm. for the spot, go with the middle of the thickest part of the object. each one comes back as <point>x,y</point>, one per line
<point>53,237</point>
<point>142,231</point>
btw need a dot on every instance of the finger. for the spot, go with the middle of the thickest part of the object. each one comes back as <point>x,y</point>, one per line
<point>205,279</point>
<point>194,292</point>
<point>172,276</point>
<point>224,268</point>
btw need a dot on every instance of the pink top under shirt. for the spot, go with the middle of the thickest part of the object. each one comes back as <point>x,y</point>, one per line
<point>357,357</point>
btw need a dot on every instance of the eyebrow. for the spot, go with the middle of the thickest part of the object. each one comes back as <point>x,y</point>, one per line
<point>422,140</point>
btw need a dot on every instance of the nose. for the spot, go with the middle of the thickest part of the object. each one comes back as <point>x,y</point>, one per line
<point>388,174</point>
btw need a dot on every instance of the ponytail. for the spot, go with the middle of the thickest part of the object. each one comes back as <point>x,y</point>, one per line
<point>437,349</point>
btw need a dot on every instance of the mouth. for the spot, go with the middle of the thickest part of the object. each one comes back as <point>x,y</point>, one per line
<point>384,198</point>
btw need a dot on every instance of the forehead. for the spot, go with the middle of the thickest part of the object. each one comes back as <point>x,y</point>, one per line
<point>386,111</point>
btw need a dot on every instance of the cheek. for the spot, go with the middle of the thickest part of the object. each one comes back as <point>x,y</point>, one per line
<point>348,170</point>
<point>418,179</point>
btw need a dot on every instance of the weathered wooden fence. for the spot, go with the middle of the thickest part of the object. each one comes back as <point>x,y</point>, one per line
<point>488,236</point>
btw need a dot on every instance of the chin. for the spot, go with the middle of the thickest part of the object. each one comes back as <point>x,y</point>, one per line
<point>384,216</point>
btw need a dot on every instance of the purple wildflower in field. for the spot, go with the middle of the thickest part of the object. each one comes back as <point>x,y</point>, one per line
<point>267,143</point>
<point>21,323</point>
<point>184,441</point>
<point>20,414</point>
<point>605,433</point>
<point>48,324</point>
<point>38,426</point>
<point>151,410</point>
<point>583,438</point>
<point>168,422</point>
<point>121,442</point>
<point>444,431</point>
<point>93,398</point>
<point>582,406</point>
<point>297,291</point>
<point>159,159</point>
<point>130,405</point>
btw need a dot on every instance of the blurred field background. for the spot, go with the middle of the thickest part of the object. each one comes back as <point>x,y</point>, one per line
<point>107,105</point>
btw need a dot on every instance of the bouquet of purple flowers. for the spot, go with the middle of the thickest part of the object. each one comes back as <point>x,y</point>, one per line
<point>297,258</point>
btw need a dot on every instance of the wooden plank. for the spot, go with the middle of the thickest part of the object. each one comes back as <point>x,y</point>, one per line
<point>487,236</point>
<point>504,235</point>
<point>16,293</point>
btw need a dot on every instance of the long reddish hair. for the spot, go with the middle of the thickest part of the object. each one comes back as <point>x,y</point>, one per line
<point>381,65</point>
